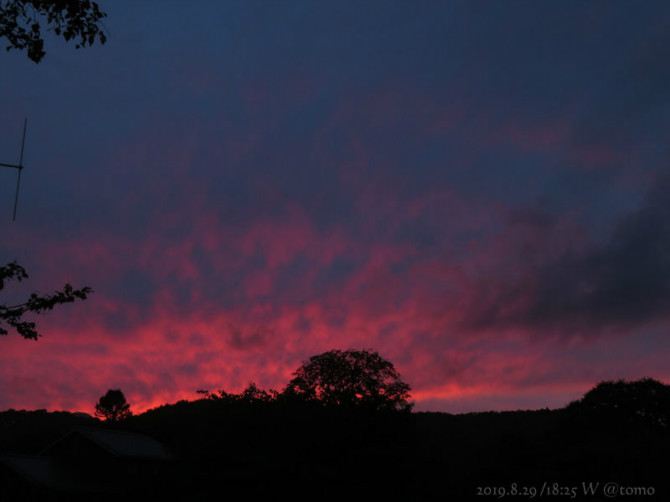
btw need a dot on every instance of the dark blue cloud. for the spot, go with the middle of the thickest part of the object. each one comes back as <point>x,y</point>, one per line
<point>622,284</point>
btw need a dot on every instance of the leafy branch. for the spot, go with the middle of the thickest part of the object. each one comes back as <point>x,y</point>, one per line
<point>13,315</point>
<point>21,23</point>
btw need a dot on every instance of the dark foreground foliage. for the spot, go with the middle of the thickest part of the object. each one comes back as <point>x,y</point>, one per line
<point>260,448</point>
<point>13,316</point>
<point>23,23</point>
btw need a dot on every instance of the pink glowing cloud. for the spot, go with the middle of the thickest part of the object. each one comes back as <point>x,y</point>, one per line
<point>286,218</point>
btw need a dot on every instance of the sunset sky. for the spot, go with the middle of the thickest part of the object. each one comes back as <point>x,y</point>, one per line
<point>479,191</point>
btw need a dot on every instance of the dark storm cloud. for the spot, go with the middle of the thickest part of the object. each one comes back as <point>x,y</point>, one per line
<point>248,339</point>
<point>621,284</point>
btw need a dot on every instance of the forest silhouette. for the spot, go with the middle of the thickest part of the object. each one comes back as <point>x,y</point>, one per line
<point>258,444</point>
<point>319,439</point>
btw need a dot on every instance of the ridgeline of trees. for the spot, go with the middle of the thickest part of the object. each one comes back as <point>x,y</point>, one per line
<point>351,379</point>
<point>259,444</point>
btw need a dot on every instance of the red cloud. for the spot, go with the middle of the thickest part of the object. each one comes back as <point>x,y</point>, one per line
<point>200,285</point>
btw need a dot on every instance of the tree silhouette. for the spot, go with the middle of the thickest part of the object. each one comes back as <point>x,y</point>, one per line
<point>645,401</point>
<point>113,406</point>
<point>13,315</point>
<point>251,395</point>
<point>21,23</point>
<point>350,378</point>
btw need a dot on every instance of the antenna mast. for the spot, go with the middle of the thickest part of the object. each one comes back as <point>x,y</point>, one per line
<point>18,167</point>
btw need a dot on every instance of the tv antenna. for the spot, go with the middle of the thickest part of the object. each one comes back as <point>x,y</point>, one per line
<point>18,167</point>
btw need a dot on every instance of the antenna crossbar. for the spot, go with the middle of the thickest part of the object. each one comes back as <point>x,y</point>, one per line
<point>18,167</point>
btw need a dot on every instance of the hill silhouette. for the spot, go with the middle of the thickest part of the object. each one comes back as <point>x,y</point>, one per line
<point>257,448</point>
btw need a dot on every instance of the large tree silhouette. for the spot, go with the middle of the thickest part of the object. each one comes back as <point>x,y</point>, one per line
<point>13,315</point>
<point>113,406</point>
<point>21,23</point>
<point>350,378</point>
<point>645,401</point>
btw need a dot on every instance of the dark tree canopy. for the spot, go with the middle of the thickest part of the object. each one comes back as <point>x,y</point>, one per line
<point>251,395</point>
<point>113,406</point>
<point>21,23</point>
<point>644,401</point>
<point>13,315</point>
<point>350,378</point>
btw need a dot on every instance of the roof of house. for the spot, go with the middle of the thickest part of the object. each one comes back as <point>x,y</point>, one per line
<point>48,472</point>
<point>121,443</point>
